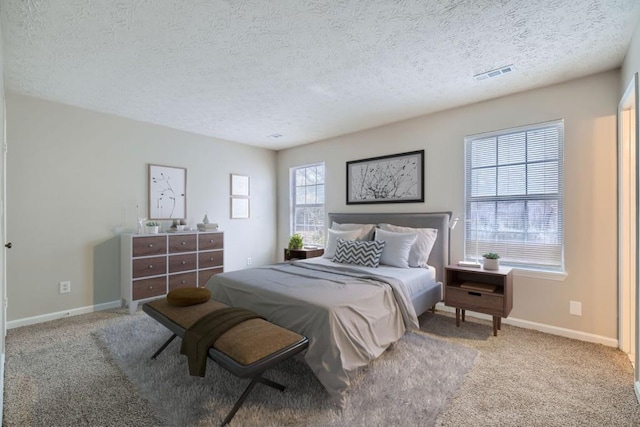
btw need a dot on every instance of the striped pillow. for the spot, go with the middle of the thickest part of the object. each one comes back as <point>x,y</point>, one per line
<point>359,252</point>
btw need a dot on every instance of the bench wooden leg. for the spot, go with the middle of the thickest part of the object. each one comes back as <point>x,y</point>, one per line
<point>161,349</point>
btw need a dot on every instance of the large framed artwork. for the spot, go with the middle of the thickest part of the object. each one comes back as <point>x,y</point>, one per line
<point>167,192</point>
<point>396,178</point>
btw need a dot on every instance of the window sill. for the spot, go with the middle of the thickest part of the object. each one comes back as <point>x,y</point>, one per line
<point>558,276</point>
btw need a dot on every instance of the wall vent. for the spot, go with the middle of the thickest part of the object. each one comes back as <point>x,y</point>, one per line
<point>494,73</point>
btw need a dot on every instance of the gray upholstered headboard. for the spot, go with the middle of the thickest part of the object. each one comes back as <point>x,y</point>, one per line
<point>439,257</point>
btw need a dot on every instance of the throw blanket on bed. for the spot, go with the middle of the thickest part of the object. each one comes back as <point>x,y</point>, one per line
<point>200,336</point>
<point>350,317</point>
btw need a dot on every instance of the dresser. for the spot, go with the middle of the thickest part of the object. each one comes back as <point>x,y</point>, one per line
<point>154,264</point>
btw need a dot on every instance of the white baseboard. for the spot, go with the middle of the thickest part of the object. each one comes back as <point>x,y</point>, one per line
<point>636,387</point>
<point>60,314</point>
<point>554,330</point>
<point>1,384</point>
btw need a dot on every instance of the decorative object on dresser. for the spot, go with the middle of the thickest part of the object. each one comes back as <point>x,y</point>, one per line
<point>396,178</point>
<point>302,253</point>
<point>491,261</point>
<point>152,227</point>
<point>167,192</point>
<point>488,292</point>
<point>153,265</point>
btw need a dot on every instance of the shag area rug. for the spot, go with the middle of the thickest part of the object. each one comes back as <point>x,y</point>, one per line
<point>410,384</point>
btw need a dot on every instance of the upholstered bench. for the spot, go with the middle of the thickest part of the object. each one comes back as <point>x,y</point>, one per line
<point>246,350</point>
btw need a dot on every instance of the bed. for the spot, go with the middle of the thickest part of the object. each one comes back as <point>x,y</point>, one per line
<point>350,314</point>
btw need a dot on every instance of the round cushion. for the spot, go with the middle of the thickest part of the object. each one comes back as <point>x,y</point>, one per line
<point>183,297</point>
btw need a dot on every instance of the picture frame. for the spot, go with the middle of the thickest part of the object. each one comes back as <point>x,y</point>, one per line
<point>395,178</point>
<point>240,207</point>
<point>239,185</point>
<point>167,192</point>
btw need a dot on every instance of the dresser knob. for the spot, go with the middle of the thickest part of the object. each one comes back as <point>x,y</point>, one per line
<point>210,241</point>
<point>150,267</point>
<point>183,243</point>
<point>150,287</point>
<point>150,245</point>
<point>211,259</point>
<point>183,282</point>
<point>184,262</point>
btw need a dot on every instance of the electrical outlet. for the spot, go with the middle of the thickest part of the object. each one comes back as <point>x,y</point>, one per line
<point>65,287</point>
<point>249,260</point>
<point>575,308</point>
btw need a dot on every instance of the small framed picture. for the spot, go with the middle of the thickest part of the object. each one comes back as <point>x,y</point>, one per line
<point>239,207</point>
<point>167,192</point>
<point>239,185</point>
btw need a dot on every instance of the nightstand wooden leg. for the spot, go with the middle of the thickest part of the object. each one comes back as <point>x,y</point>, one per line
<point>457,317</point>
<point>499,323</point>
<point>463,313</point>
<point>495,326</point>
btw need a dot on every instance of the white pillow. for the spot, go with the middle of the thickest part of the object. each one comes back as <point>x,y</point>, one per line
<point>332,240</point>
<point>366,230</point>
<point>423,245</point>
<point>397,247</point>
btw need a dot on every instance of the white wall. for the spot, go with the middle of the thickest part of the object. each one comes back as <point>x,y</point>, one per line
<point>74,178</point>
<point>588,107</point>
<point>631,64</point>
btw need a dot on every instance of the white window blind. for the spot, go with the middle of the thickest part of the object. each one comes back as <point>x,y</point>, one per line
<point>307,202</point>
<point>513,196</point>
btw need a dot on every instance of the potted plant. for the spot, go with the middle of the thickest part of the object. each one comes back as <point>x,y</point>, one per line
<point>295,242</point>
<point>491,261</point>
<point>151,227</point>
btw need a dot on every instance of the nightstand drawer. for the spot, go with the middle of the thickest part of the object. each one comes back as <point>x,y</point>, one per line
<point>474,300</point>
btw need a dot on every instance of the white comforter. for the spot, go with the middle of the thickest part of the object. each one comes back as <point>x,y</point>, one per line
<point>349,317</point>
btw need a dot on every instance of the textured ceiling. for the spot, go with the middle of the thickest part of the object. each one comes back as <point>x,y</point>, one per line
<point>242,70</point>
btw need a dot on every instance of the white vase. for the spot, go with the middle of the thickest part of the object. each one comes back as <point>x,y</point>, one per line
<point>491,264</point>
<point>151,229</point>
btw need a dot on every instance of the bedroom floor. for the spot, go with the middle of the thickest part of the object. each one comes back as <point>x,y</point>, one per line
<point>521,377</point>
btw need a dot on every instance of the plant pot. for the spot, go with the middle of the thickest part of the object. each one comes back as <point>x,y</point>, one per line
<point>491,264</point>
<point>151,230</point>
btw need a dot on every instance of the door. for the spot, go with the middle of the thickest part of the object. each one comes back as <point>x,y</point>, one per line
<point>629,228</point>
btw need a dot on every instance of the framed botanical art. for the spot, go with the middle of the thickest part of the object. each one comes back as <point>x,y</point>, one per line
<point>167,192</point>
<point>397,178</point>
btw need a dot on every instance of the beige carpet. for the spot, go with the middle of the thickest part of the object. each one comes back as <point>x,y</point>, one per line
<point>520,378</point>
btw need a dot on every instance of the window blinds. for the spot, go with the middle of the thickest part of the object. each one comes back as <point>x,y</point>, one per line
<point>513,195</point>
<point>307,197</point>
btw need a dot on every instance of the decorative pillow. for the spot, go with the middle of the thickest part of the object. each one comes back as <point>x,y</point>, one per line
<point>332,240</point>
<point>366,230</point>
<point>421,249</point>
<point>359,252</point>
<point>396,251</point>
<point>183,297</point>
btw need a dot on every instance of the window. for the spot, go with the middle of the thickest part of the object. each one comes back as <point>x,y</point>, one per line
<point>513,196</point>
<point>307,203</point>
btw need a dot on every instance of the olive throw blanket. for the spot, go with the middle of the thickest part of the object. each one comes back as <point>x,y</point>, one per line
<point>201,335</point>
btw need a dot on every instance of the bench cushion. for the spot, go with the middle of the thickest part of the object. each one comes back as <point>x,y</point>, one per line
<point>246,343</point>
<point>188,296</point>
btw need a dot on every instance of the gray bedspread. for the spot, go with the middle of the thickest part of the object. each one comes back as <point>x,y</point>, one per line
<point>350,317</point>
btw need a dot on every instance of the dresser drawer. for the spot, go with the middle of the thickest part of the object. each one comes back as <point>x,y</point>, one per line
<point>183,243</point>
<point>492,304</point>
<point>147,288</point>
<point>209,241</point>
<point>210,259</point>
<point>153,266</point>
<point>205,275</point>
<point>182,262</point>
<point>145,246</point>
<point>183,280</point>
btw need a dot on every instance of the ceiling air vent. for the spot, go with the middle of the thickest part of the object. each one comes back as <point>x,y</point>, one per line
<point>494,73</point>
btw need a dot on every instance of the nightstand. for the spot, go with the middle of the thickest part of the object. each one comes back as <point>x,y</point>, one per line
<point>305,253</point>
<point>484,291</point>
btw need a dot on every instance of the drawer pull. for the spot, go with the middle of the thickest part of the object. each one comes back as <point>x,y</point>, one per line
<point>210,241</point>
<point>184,262</point>
<point>150,245</point>
<point>150,287</point>
<point>183,243</point>
<point>475,294</point>
<point>150,267</point>
<point>183,282</point>
<point>211,259</point>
